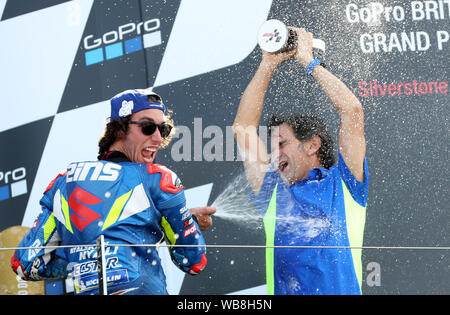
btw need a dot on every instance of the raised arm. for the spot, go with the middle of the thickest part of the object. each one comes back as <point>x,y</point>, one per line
<point>352,143</point>
<point>252,148</point>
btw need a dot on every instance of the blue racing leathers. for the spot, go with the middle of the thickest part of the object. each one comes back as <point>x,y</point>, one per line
<point>129,204</point>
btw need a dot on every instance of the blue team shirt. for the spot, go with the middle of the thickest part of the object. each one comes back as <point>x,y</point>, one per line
<point>325,209</point>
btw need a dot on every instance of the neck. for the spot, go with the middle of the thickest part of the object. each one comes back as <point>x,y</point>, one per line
<point>309,165</point>
<point>315,164</point>
<point>115,156</point>
<point>116,146</point>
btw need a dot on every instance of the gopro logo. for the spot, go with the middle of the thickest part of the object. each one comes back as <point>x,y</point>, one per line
<point>15,183</point>
<point>117,47</point>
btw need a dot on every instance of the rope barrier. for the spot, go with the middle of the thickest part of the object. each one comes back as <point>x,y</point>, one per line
<point>239,246</point>
<point>101,247</point>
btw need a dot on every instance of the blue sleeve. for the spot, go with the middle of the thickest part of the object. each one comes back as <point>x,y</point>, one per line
<point>181,229</point>
<point>177,221</point>
<point>262,199</point>
<point>358,190</point>
<point>37,263</point>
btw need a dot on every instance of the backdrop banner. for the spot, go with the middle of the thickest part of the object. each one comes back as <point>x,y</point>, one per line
<point>61,62</point>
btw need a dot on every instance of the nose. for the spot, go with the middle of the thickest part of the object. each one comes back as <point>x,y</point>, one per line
<point>156,136</point>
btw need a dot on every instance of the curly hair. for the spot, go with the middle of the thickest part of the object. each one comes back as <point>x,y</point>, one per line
<point>116,126</point>
<point>305,127</point>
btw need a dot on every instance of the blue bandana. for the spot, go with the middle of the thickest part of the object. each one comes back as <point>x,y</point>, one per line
<point>132,101</point>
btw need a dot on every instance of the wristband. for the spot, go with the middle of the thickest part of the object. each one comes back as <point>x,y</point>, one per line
<point>311,66</point>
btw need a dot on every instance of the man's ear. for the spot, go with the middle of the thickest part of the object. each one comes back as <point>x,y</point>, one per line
<point>120,134</point>
<point>313,145</point>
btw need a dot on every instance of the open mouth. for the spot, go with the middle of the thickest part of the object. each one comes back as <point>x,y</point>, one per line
<point>148,154</point>
<point>282,165</point>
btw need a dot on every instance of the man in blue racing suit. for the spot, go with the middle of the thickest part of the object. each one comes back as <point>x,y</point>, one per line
<point>126,198</point>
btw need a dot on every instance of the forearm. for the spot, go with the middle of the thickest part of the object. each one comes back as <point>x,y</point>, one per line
<point>252,101</point>
<point>343,99</point>
<point>39,264</point>
<point>337,92</point>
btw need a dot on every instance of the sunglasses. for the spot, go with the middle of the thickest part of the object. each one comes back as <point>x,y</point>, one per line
<point>148,128</point>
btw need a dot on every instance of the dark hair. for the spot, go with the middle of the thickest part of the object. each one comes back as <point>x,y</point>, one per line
<point>116,126</point>
<point>305,127</point>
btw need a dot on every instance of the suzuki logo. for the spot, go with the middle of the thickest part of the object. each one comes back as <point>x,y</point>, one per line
<point>82,215</point>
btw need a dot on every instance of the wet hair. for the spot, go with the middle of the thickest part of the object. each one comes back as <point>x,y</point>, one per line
<point>116,127</point>
<point>305,127</point>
